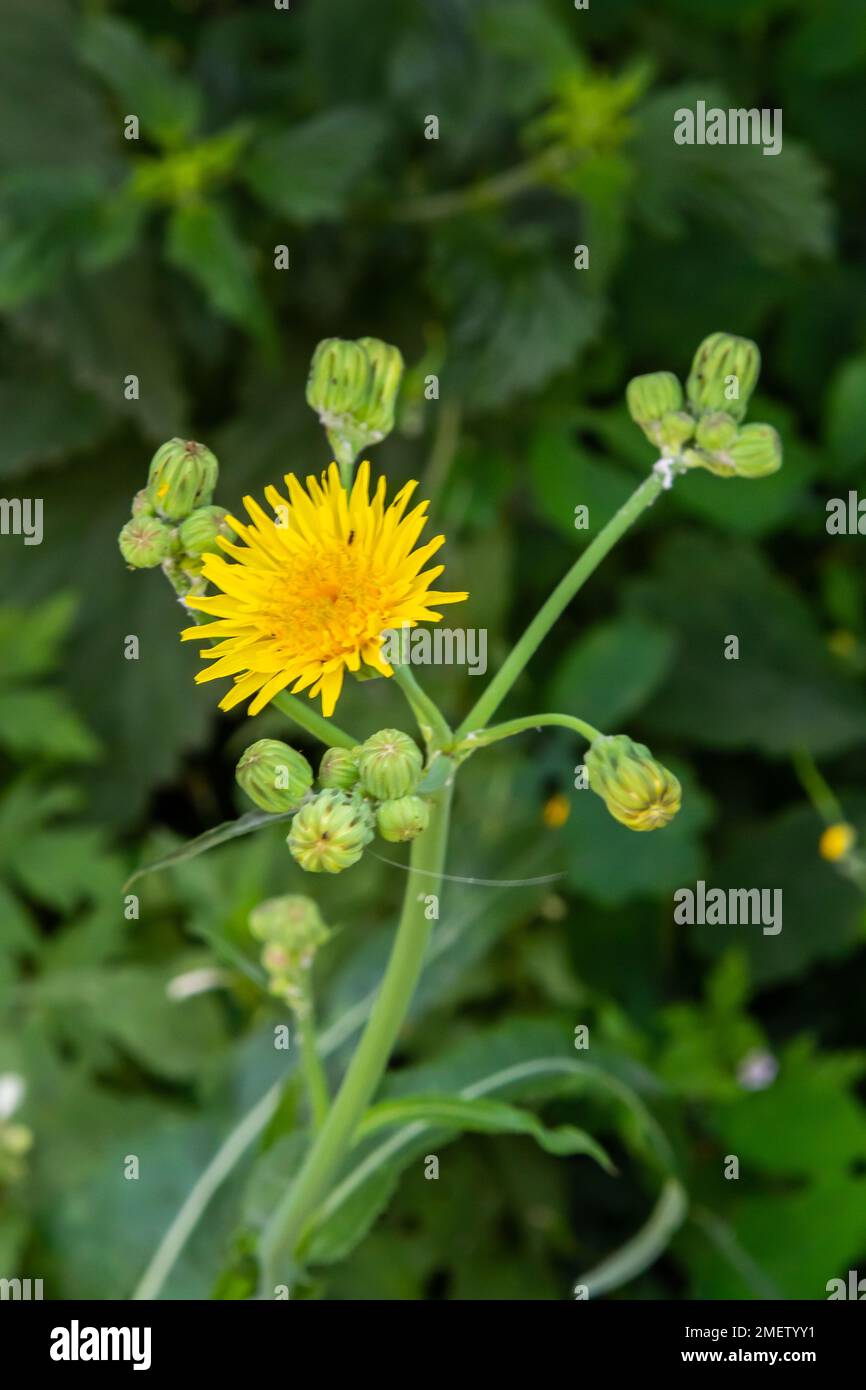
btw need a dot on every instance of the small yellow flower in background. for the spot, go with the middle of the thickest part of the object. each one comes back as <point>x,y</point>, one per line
<point>556,811</point>
<point>313,589</point>
<point>836,841</point>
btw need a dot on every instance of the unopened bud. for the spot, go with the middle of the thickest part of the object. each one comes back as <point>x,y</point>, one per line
<point>329,833</point>
<point>674,430</point>
<point>756,452</point>
<point>200,532</point>
<point>650,398</point>
<point>274,776</point>
<point>390,763</point>
<point>724,374</point>
<point>638,791</point>
<point>376,409</point>
<point>402,819</point>
<point>145,542</point>
<point>338,769</point>
<point>716,430</point>
<point>182,476</point>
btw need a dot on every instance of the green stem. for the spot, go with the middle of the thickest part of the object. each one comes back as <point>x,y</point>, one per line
<point>816,788</point>
<point>445,443</point>
<point>314,1073</point>
<point>558,601</point>
<point>431,721</point>
<point>486,192</point>
<point>480,738</point>
<point>368,1064</point>
<point>303,713</point>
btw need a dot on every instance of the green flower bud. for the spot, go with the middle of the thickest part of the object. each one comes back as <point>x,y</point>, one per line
<point>292,929</point>
<point>141,504</point>
<point>199,533</point>
<point>714,463</point>
<point>716,430</point>
<point>724,374</point>
<point>756,452</point>
<point>339,378</point>
<point>403,819</point>
<point>182,476</point>
<point>674,430</point>
<point>338,768</point>
<point>330,832</point>
<point>353,388</point>
<point>390,764</point>
<point>376,409</point>
<point>638,791</point>
<point>274,776</point>
<point>649,398</point>
<point>145,542</point>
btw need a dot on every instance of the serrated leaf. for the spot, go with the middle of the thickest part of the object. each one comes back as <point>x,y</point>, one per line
<point>203,242</point>
<point>167,105</point>
<point>306,173</point>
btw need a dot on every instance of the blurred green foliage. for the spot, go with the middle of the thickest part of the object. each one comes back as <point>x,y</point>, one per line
<point>155,257</point>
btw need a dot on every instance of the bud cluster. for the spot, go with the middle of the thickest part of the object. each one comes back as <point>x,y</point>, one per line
<point>371,787</point>
<point>292,930</point>
<point>174,522</point>
<point>703,427</point>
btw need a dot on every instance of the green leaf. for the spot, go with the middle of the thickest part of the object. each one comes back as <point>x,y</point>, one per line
<point>845,417</point>
<point>308,172</point>
<point>105,326</point>
<point>168,106</point>
<point>519,316</point>
<point>203,242</point>
<point>613,865</point>
<point>218,835</point>
<point>822,912</point>
<point>504,1063</point>
<point>644,1248</point>
<point>35,722</point>
<point>611,671</point>
<point>784,691</point>
<point>776,205</point>
<point>31,638</point>
<point>481,1117</point>
<point>46,416</point>
<point>563,475</point>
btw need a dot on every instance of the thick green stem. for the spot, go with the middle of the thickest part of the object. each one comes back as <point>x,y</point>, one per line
<point>303,713</point>
<point>558,601</point>
<point>432,723</point>
<point>367,1066</point>
<point>314,1073</point>
<point>480,738</point>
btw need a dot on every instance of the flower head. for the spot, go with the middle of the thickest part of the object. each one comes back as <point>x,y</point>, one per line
<point>313,588</point>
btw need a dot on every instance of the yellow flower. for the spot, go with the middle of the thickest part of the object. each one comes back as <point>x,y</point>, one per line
<point>556,811</point>
<point>314,588</point>
<point>836,841</point>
